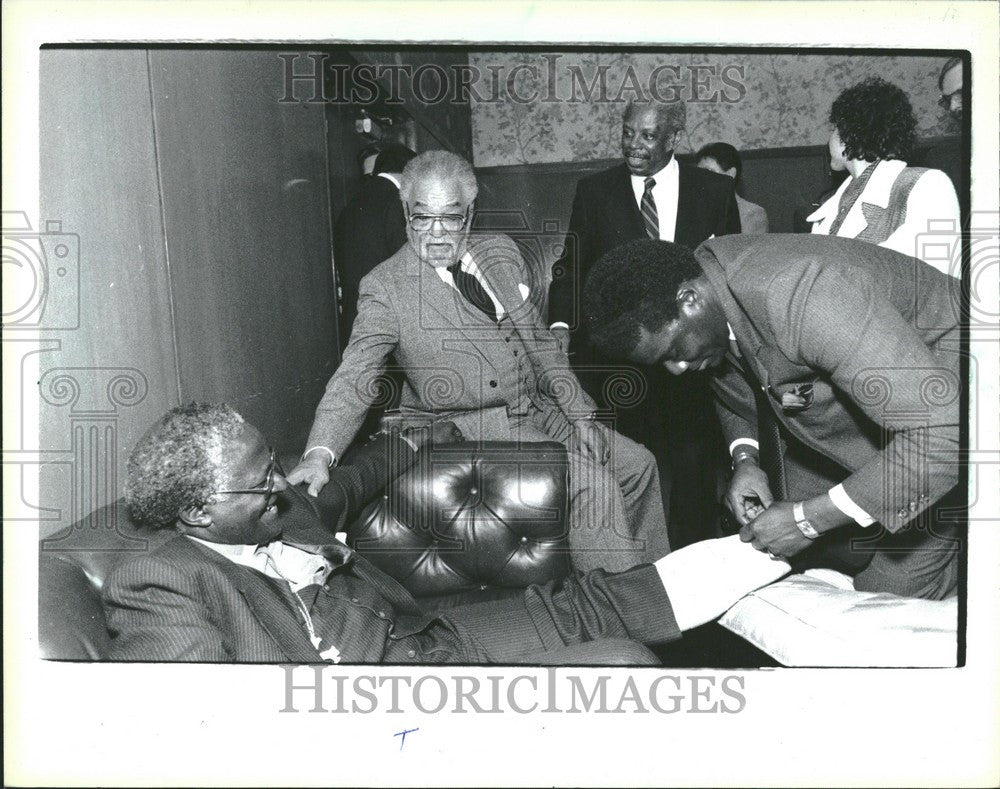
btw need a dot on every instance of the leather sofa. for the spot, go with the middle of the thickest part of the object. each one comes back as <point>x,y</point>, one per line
<point>470,521</point>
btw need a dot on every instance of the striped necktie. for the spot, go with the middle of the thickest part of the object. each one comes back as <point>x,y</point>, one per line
<point>648,210</point>
<point>772,456</point>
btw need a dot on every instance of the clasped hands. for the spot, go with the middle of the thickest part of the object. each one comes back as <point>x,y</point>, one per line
<point>766,524</point>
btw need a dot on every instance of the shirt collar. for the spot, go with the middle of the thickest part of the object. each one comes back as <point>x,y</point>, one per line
<point>466,263</point>
<point>876,192</point>
<point>240,554</point>
<point>670,170</point>
<point>389,177</point>
<point>276,559</point>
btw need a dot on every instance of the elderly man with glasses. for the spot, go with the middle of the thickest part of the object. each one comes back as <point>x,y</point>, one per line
<point>455,311</point>
<point>254,573</point>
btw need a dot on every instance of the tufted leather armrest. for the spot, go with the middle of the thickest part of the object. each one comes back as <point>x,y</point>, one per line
<point>472,516</point>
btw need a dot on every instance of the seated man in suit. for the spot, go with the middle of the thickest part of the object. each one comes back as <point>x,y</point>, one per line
<point>836,368</point>
<point>255,574</point>
<point>455,312</point>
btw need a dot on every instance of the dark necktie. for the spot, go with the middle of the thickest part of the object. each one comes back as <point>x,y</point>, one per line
<point>473,291</point>
<point>648,210</point>
<point>772,461</point>
<point>850,197</point>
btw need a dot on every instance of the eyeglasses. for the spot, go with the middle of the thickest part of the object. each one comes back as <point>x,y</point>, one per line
<point>451,223</point>
<point>268,487</point>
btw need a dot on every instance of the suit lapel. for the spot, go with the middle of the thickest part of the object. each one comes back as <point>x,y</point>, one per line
<point>687,230</point>
<point>621,201</point>
<point>267,603</point>
<point>501,273</point>
<point>388,587</point>
<point>439,305</point>
<point>273,610</point>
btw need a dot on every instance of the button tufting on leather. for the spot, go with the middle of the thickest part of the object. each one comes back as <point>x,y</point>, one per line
<point>432,552</point>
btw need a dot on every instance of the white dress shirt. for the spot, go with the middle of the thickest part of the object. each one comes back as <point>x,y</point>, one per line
<point>665,195</point>
<point>276,560</point>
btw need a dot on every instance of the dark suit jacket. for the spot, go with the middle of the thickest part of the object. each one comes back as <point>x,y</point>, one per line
<point>371,228</point>
<point>605,215</point>
<point>863,342</point>
<point>186,602</point>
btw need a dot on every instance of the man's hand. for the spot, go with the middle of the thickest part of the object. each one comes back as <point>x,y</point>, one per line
<point>590,438</point>
<point>561,333</point>
<point>775,532</point>
<point>313,470</point>
<point>442,432</point>
<point>749,493</point>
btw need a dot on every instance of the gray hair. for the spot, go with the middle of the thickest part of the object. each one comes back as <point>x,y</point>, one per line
<point>438,166</point>
<point>178,462</point>
<point>672,116</point>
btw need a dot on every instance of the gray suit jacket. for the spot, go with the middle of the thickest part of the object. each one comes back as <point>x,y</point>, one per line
<point>449,357</point>
<point>753,218</point>
<point>857,348</point>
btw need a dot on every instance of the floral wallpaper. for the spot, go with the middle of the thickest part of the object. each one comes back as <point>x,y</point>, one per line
<point>531,107</point>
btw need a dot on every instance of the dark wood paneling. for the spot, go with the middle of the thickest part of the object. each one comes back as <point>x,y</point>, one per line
<point>532,203</point>
<point>98,178</point>
<point>785,180</point>
<point>248,221</point>
<point>442,119</point>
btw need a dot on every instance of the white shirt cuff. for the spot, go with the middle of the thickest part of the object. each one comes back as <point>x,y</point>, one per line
<point>559,325</point>
<point>748,441</point>
<point>846,505</point>
<point>333,457</point>
<point>706,579</point>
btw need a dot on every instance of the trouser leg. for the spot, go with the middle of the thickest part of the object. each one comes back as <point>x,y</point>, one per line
<point>616,517</point>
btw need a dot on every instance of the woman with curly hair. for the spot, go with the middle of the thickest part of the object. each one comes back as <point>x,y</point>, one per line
<point>883,201</point>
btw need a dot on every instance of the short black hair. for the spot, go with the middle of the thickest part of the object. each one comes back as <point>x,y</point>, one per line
<point>635,285</point>
<point>724,154</point>
<point>178,462</point>
<point>875,121</point>
<point>393,158</point>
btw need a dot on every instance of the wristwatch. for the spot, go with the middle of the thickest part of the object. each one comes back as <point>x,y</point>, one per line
<point>807,529</point>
